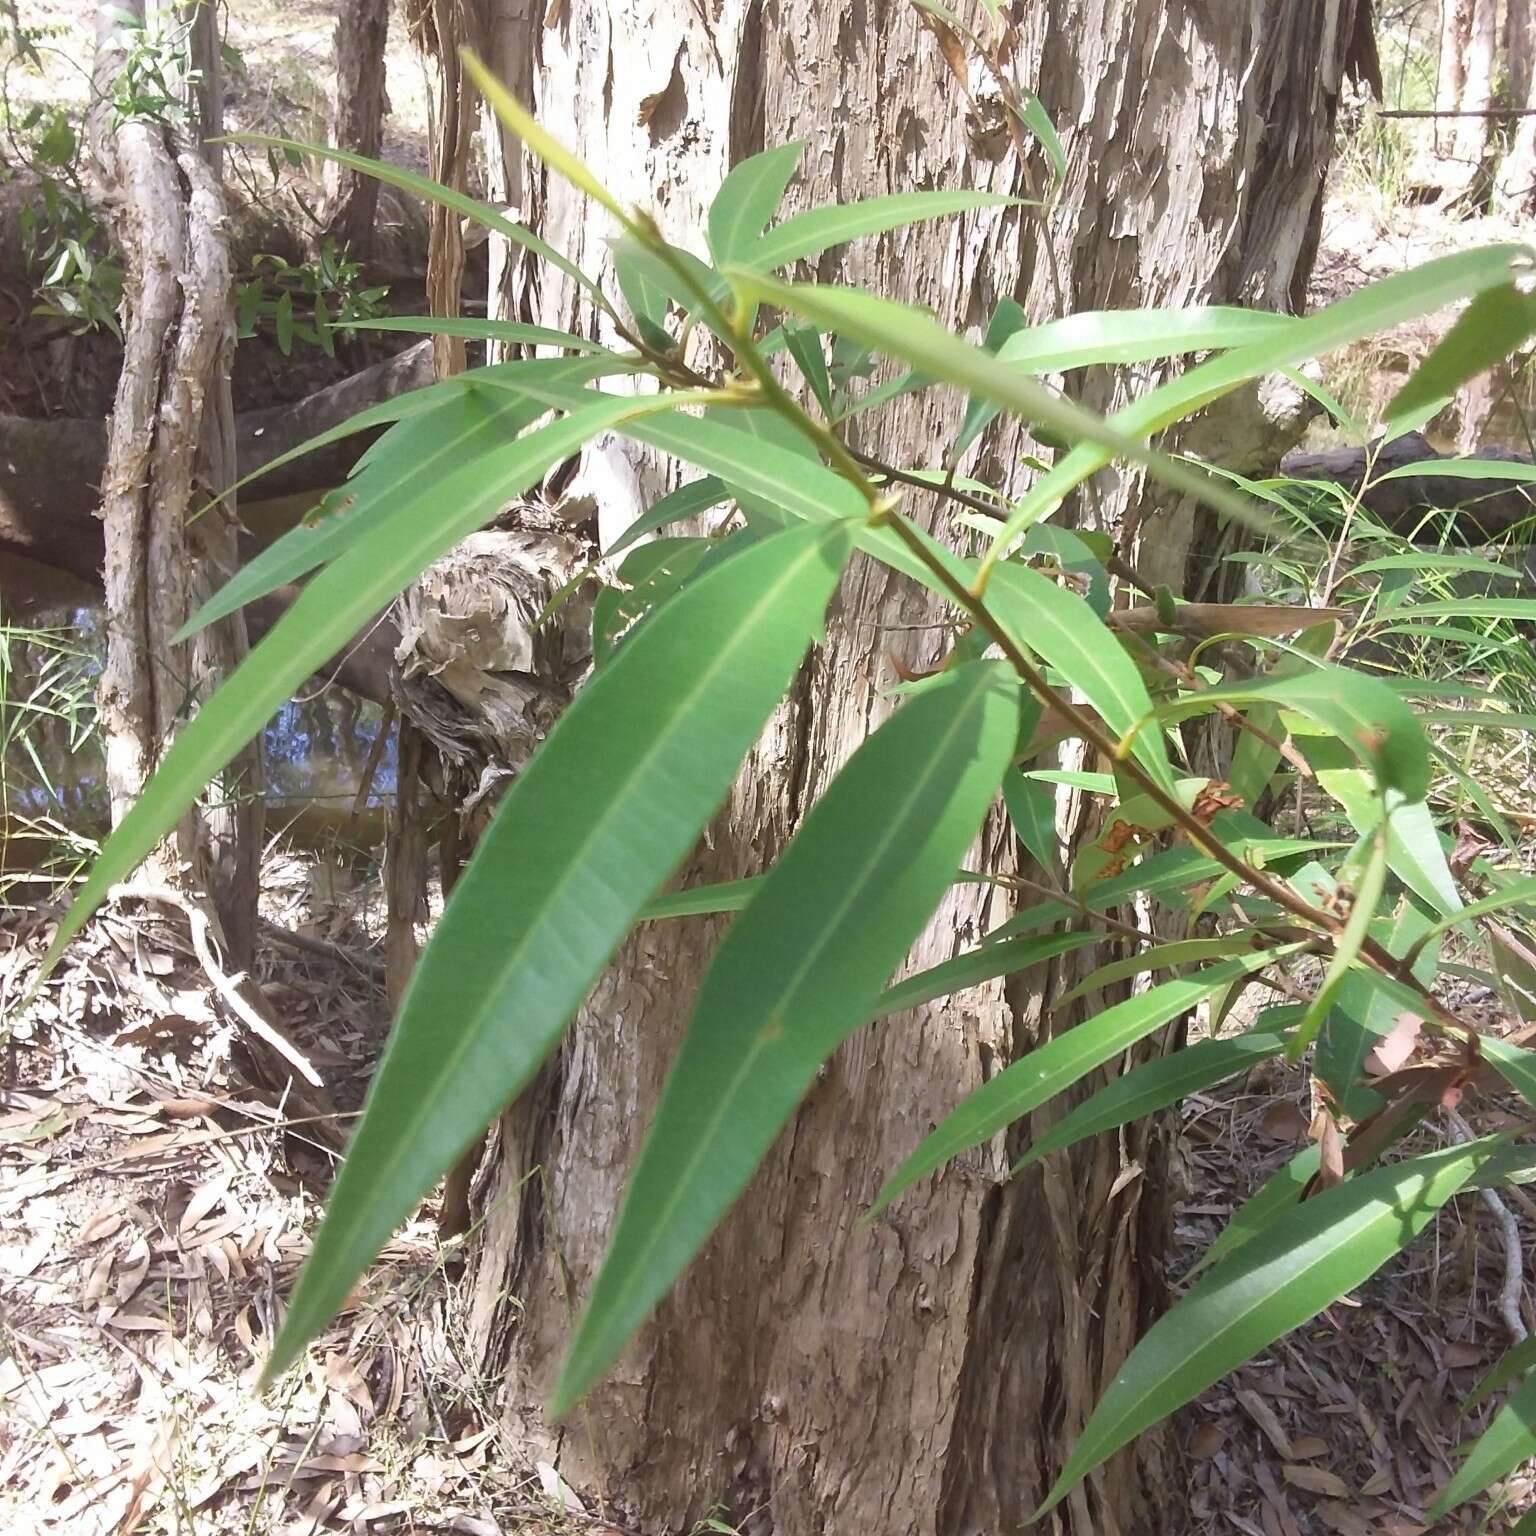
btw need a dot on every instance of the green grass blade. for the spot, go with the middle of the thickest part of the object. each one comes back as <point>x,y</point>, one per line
<point>1303,1261</point>
<point>796,974</point>
<point>748,197</point>
<point>1153,1086</point>
<point>1045,1071</point>
<point>594,823</point>
<point>808,234</point>
<point>325,616</point>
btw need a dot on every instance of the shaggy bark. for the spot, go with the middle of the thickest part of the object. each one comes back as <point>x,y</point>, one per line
<point>170,446</point>
<point>358,106</point>
<point>926,1373</point>
<point>1517,171</point>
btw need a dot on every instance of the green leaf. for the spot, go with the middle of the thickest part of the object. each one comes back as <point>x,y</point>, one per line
<point>432,192</point>
<point>591,827</point>
<point>703,900</point>
<point>915,336</point>
<point>807,234</point>
<point>1459,469</point>
<point>1374,308</point>
<point>1473,608</point>
<point>1491,327</point>
<point>1507,1442</point>
<point>796,974</point>
<point>1300,1263</point>
<point>646,296</point>
<point>686,501</point>
<point>805,347</point>
<point>1160,957</point>
<point>1060,627</point>
<point>1362,1014</point>
<point>654,572</point>
<point>1033,115</point>
<point>748,197</point>
<point>1049,1068</point>
<point>976,966</point>
<point>322,620</point>
<point>476,328</point>
<point>1519,891</point>
<point>405,466</point>
<point>1154,1085</point>
<point>1032,810</point>
<point>1281,1190</point>
<point>1513,1362</point>
<point>1377,726</point>
<point>1516,1066</point>
<point>1347,945</point>
<point>1007,318</point>
<point>1107,337</point>
<point>541,145</point>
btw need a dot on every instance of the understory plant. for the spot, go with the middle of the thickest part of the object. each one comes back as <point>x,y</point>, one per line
<point>696,647</point>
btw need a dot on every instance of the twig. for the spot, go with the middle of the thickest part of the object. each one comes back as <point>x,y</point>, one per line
<point>226,986</point>
<point>309,945</point>
<point>1509,1228</point>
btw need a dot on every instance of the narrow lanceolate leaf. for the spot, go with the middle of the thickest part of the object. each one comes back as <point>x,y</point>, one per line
<point>977,966</point>
<point>431,192</point>
<point>1117,336</point>
<point>808,234</point>
<point>1507,1442</point>
<point>748,197</point>
<point>899,330</point>
<point>1160,957</point>
<point>477,328</point>
<point>1278,1193</point>
<point>1346,949</point>
<point>1374,308</point>
<point>1045,1071</point>
<point>1516,1066</point>
<point>1007,318</point>
<point>1302,1262</point>
<point>1512,1363</point>
<point>590,828</point>
<point>543,146</point>
<point>1153,1086</point>
<point>1033,115</point>
<point>1060,627</point>
<point>799,971</point>
<point>1492,326</point>
<point>1377,726</point>
<point>325,616</point>
<point>405,466</point>
<point>686,501</point>
<point>703,900</point>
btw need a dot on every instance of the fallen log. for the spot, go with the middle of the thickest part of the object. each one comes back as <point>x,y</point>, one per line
<point>50,470</point>
<point>1485,507</point>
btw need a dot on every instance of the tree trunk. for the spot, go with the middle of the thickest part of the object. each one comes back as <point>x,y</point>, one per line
<point>926,1373</point>
<point>1517,171</point>
<point>1468,51</point>
<point>170,447</point>
<point>357,122</point>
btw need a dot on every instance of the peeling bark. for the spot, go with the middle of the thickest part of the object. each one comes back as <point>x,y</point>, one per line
<point>170,447</point>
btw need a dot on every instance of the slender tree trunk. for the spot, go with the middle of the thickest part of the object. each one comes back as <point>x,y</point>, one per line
<point>170,448</point>
<point>1517,172</point>
<point>926,1373</point>
<point>1468,56</point>
<point>357,121</point>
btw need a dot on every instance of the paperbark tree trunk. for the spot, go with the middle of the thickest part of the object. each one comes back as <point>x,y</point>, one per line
<point>1517,171</point>
<point>170,448</point>
<point>926,1373</point>
<point>357,121</point>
